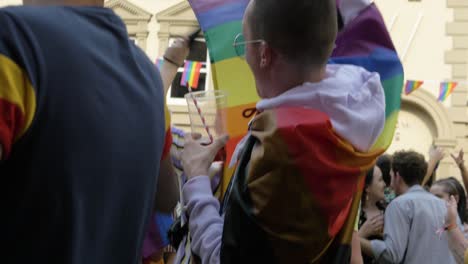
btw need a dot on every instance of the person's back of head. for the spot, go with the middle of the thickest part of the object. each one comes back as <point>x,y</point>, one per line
<point>451,186</point>
<point>384,162</point>
<point>303,31</point>
<point>410,166</point>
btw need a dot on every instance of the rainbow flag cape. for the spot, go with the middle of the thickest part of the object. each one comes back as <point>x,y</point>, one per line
<point>446,89</point>
<point>159,63</point>
<point>334,198</point>
<point>359,44</point>
<point>412,86</point>
<point>191,74</point>
<point>298,200</point>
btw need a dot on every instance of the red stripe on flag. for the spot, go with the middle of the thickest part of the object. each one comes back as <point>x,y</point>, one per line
<point>196,76</point>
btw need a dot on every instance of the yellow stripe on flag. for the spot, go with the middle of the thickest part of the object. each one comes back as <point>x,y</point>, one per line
<point>385,139</point>
<point>192,73</point>
<point>241,90</point>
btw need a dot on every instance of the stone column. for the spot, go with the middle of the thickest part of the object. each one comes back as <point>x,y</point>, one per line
<point>457,57</point>
<point>163,37</point>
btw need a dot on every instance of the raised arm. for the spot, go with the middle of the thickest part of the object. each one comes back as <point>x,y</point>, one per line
<point>167,193</point>
<point>459,160</point>
<point>436,154</point>
<point>173,59</point>
<point>457,242</point>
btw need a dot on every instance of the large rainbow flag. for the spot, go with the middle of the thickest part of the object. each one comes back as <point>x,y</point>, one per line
<point>365,42</point>
<point>221,21</point>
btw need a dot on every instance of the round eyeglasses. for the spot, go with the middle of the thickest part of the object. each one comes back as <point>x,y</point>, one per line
<point>239,44</point>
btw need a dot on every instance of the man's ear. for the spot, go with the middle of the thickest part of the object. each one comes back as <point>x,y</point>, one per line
<point>266,55</point>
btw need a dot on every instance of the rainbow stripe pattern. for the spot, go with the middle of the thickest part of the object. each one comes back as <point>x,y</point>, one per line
<point>375,52</point>
<point>191,74</point>
<point>221,21</point>
<point>446,89</point>
<point>302,189</point>
<point>412,86</point>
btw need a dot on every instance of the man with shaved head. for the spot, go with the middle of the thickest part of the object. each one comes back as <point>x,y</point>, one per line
<point>83,128</point>
<point>294,195</point>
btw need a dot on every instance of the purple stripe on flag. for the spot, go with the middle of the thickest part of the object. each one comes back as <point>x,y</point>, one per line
<point>205,5</point>
<point>355,41</point>
<point>409,87</point>
<point>183,80</point>
<point>221,15</point>
<point>443,90</point>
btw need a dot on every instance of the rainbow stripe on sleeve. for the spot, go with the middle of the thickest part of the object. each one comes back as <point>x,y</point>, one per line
<point>17,103</point>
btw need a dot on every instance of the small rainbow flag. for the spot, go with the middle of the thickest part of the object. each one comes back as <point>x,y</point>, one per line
<point>412,86</point>
<point>159,63</point>
<point>446,89</point>
<point>191,74</point>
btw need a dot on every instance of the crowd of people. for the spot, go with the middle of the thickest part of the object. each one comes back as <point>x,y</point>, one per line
<point>411,227</point>
<point>93,169</point>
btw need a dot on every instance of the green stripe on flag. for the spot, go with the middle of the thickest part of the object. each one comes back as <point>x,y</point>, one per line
<point>220,40</point>
<point>392,88</point>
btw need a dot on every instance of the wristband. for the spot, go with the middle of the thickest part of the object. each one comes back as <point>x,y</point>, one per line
<point>446,228</point>
<point>450,227</point>
<point>171,61</point>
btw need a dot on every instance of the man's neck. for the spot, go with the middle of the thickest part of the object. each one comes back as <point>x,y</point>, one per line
<point>405,188</point>
<point>288,77</point>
